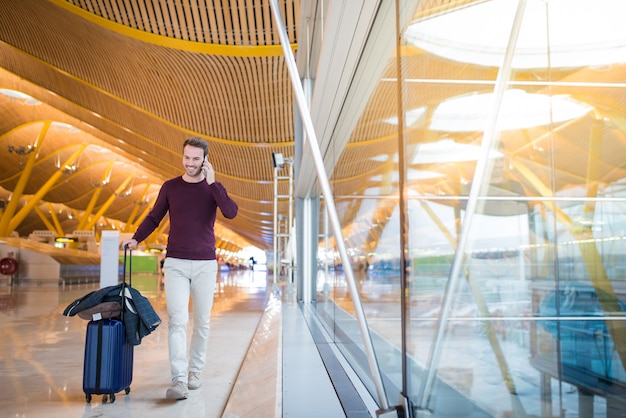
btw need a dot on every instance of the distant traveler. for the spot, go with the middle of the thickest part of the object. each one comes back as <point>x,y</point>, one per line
<point>190,266</point>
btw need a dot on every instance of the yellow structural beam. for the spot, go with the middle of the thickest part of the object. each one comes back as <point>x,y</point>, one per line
<point>108,203</point>
<point>46,221</point>
<point>145,213</point>
<point>154,237</point>
<point>439,223</point>
<point>19,217</point>
<point>55,219</point>
<point>593,162</point>
<point>593,263</point>
<point>94,197</point>
<point>137,205</point>
<point>9,211</point>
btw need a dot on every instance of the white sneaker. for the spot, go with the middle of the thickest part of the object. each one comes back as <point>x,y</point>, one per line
<point>194,381</point>
<point>178,391</point>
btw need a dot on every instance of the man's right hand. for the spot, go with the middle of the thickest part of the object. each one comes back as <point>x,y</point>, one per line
<point>131,243</point>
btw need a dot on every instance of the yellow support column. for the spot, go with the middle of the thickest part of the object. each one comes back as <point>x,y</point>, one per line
<point>19,217</point>
<point>55,219</point>
<point>9,211</point>
<point>154,237</point>
<point>593,263</point>
<point>108,203</point>
<point>45,220</point>
<point>593,161</point>
<point>94,198</point>
<point>145,213</point>
<point>138,203</point>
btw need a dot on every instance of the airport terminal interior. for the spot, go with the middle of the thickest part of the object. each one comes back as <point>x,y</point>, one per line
<point>431,193</point>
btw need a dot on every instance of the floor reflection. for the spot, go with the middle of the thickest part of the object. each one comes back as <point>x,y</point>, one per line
<point>41,352</point>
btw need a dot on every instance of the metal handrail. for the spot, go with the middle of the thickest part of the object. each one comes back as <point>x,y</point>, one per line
<point>311,139</point>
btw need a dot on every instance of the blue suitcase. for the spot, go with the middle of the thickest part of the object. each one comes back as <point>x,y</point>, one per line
<point>108,367</point>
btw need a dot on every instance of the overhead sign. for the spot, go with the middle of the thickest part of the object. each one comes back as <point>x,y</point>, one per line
<point>66,239</point>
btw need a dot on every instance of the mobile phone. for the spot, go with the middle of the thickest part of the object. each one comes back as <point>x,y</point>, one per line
<point>204,170</point>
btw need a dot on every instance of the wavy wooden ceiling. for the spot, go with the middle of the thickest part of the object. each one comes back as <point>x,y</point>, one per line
<point>135,78</point>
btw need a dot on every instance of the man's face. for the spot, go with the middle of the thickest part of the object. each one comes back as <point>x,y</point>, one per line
<point>192,160</point>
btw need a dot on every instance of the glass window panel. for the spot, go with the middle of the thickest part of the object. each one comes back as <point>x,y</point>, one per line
<point>543,229</point>
<point>532,223</point>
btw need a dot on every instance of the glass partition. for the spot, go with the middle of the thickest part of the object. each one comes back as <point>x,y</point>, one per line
<point>483,198</point>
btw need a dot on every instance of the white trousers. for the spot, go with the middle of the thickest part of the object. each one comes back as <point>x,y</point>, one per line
<point>185,278</point>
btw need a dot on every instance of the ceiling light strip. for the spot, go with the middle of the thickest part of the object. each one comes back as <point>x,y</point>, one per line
<point>509,83</point>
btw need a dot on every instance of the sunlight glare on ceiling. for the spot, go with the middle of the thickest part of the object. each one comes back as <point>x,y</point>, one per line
<point>518,110</point>
<point>20,97</point>
<point>448,151</point>
<point>576,33</point>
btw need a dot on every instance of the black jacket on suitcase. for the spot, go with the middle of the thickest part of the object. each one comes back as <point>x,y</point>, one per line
<point>139,317</point>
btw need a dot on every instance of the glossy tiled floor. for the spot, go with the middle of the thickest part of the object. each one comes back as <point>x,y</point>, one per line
<point>41,353</point>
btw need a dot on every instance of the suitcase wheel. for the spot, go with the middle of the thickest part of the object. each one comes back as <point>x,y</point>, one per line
<point>88,397</point>
<point>110,398</point>
<point>127,390</point>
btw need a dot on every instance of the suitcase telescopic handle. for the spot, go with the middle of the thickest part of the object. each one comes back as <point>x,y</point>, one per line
<point>129,251</point>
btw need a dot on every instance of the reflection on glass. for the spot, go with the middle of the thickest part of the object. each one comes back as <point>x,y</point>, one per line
<point>578,32</point>
<point>538,323</point>
<point>519,110</point>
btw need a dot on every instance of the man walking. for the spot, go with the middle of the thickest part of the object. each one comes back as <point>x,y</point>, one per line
<point>190,267</point>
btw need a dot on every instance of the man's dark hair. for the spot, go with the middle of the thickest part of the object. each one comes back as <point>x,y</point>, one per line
<point>197,142</point>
